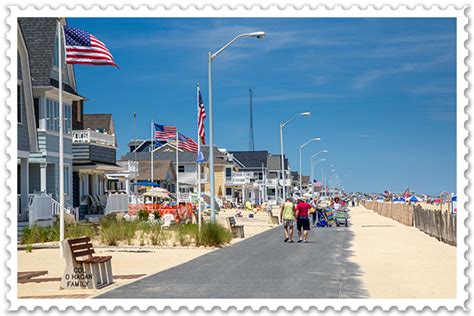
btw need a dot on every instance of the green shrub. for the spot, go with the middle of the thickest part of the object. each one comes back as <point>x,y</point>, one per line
<point>214,235</point>
<point>37,234</point>
<point>142,215</point>
<point>79,230</point>
<point>112,231</point>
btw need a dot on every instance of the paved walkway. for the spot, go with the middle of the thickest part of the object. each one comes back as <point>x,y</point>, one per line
<point>261,267</point>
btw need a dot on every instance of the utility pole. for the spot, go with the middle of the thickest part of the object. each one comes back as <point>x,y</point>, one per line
<point>251,140</point>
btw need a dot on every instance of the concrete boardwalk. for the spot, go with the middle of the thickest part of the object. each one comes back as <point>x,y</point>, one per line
<point>261,267</point>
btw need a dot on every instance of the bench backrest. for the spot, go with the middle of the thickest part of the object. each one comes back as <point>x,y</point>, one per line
<point>232,221</point>
<point>81,247</point>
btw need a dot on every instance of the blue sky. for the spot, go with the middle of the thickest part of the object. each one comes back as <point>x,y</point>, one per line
<point>382,92</point>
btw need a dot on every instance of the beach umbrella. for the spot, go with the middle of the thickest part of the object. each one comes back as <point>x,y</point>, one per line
<point>414,198</point>
<point>380,199</point>
<point>454,198</point>
<point>158,193</point>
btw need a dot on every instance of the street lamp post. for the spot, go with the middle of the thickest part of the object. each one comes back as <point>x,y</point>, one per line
<point>312,174</point>
<point>282,125</point>
<point>212,56</point>
<point>301,151</point>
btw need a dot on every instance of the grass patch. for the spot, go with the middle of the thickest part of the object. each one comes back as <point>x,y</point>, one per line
<point>214,235</point>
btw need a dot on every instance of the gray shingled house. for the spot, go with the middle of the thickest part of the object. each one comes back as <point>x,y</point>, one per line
<point>249,183</point>
<point>38,114</point>
<point>94,151</point>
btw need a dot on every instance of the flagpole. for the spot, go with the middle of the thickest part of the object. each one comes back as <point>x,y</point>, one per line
<point>61,140</point>
<point>177,167</point>
<point>198,164</point>
<point>152,149</point>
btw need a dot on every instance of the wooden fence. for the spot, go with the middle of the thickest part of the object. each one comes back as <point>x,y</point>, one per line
<point>402,213</point>
<point>436,223</point>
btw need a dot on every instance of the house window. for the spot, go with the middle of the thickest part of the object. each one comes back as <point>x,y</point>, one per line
<point>228,172</point>
<point>67,118</point>
<point>181,168</point>
<point>260,176</point>
<point>66,180</point>
<point>228,191</point>
<point>52,116</point>
<point>100,130</point>
<point>19,102</point>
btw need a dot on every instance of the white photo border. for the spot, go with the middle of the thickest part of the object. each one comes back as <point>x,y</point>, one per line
<point>462,85</point>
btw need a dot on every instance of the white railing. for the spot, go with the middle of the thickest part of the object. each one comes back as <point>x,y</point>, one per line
<point>89,136</point>
<point>55,211</point>
<point>117,203</point>
<point>272,182</point>
<point>40,208</point>
<point>184,197</point>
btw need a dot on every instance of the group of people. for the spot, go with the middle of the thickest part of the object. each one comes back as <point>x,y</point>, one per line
<point>302,212</point>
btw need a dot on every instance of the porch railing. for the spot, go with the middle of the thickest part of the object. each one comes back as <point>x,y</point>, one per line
<point>89,136</point>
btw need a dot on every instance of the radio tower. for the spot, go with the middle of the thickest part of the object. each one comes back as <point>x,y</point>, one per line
<point>251,142</point>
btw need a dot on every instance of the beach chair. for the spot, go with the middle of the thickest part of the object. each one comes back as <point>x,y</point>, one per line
<point>329,213</point>
<point>167,220</point>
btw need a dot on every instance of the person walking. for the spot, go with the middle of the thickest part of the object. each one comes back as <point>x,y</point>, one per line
<point>313,210</point>
<point>287,216</point>
<point>302,218</point>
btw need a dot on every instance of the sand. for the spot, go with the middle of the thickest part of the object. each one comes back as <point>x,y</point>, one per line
<point>398,261</point>
<point>125,260</point>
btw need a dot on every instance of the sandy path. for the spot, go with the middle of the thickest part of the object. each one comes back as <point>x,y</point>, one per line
<point>398,261</point>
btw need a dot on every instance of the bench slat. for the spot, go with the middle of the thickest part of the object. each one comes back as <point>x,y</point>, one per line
<point>79,240</point>
<point>81,247</point>
<point>83,253</point>
<point>96,259</point>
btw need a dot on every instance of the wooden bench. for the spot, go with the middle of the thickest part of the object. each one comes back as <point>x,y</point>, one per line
<point>237,230</point>
<point>83,270</point>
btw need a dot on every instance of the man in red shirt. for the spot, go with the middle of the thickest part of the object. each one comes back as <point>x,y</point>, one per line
<point>302,217</point>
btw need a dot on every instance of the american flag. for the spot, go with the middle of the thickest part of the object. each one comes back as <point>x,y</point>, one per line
<point>85,48</point>
<point>165,131</point>
<point>187,143</point>
<point>201,117</point>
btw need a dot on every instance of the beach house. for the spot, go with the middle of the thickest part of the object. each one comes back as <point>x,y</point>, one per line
<point>187,166</point>
<point>249,183</point>
<point>94,147</point>
<point>275,178</point>
<point>38,119</point>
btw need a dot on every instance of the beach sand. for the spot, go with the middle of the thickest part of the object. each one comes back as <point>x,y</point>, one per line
<point>398,261</point>
<point>125,260</point>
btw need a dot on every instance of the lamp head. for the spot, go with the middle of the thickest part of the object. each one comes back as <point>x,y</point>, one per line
<point>325,151</point>
<point>259,34</point>
<point>306,113</point>
<point>317,138</point>
<point>324,159</point>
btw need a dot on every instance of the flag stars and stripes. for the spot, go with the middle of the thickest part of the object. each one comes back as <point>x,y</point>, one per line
<point>201,117</point>
<point>165,132</point>
<point>84,48</point>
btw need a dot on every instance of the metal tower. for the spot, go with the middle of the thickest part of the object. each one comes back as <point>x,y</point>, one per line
<point>251,141</point>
